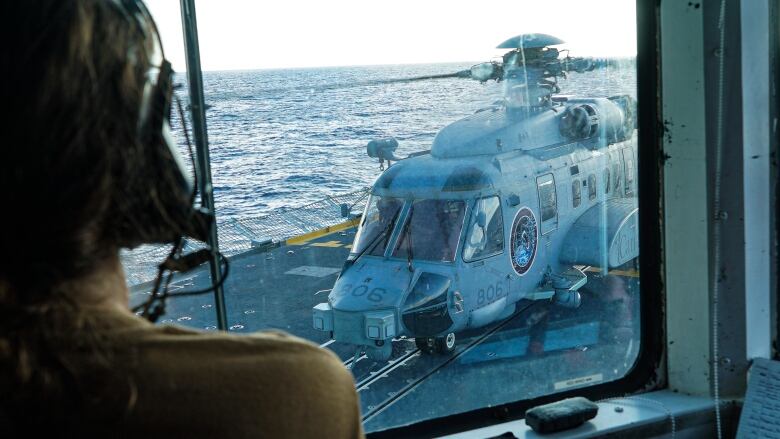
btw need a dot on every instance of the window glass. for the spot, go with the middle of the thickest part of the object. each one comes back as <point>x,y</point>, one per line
<point>591,187</point>
<point>377,225</point>
<point>576,193</point>
<point>547,198</point>
<point>381,146</point>
<point>629,164</point>
<point>431,231</point>
<point>486,230</point>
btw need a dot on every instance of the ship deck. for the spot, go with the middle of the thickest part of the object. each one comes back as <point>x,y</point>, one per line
<point>541,346</point>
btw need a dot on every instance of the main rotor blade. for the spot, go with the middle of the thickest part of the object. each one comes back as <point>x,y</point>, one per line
<point>345,85</point>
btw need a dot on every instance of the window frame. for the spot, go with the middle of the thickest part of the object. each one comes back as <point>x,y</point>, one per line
<point>644,375</point>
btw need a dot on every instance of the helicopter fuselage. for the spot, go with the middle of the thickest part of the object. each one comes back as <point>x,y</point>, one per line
<point>505,207</point>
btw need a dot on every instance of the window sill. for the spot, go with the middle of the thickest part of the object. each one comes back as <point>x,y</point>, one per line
<point>647,415</point>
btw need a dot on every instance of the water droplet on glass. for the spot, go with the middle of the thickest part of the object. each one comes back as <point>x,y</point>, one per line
<point>249,311</point>
<point>206,306</point>
<point>290,252</point>
<point>236,327</point>
<point>167,321</point>
<point>184,318</point>
<point>210,328</point>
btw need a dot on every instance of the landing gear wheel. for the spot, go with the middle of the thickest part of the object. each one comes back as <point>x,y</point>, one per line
<point>439,345</point>
<point>425,344</point>
<point>446,344</point>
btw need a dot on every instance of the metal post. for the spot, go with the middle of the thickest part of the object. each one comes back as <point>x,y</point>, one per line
<point>198,113</point>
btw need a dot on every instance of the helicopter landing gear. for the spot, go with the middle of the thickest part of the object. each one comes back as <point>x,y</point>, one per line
<point>380,353</point>
<point>439,345</point>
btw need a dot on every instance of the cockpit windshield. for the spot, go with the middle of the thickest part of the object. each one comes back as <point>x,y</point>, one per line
<point>377,226</point>
<point>431,231</point>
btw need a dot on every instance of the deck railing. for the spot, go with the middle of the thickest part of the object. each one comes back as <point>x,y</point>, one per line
<point>241,235</point>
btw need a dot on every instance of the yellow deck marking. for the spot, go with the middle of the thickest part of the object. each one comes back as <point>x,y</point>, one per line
<point>302,240</point>
<point>332,244</point>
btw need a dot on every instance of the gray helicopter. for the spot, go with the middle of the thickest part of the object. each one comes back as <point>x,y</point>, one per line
<point>508,205</point>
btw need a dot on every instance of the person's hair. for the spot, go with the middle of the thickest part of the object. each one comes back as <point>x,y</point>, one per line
<point>70,166</point>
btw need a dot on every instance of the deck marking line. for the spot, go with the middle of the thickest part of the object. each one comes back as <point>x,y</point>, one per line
<point>313,271</point>
<point>332,244</point>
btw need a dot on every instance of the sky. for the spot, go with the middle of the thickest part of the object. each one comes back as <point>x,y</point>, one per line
<point>263,34</point>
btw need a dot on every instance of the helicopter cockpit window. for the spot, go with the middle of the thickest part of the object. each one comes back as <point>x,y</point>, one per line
<point>591,187</point>
<point>377,225</point>
<point>431,231</point>
<point>485,235</point>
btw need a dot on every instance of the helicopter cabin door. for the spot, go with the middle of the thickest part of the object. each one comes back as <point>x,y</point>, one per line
<point>548,203</point>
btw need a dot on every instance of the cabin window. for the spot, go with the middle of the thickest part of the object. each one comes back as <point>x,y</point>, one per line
<point>591,187</point>
<point>628,157</point>
<point>616,176</point>
<point>576,193</point>
<point>288,154</point>
<point>431,231</point>
<point>548,205</point>
<point>485,235</point>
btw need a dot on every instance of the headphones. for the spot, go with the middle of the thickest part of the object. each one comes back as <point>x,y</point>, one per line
<point>170,214</point>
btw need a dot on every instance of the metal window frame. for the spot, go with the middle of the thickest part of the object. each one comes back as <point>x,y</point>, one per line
<point>647,373</point>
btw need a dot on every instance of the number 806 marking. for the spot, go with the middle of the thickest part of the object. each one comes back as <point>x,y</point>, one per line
<point>490,294</point>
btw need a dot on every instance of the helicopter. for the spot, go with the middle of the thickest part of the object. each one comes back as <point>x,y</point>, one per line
<point>508,205</point>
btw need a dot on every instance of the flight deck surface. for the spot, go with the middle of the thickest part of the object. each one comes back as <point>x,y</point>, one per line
<point>539,349</point>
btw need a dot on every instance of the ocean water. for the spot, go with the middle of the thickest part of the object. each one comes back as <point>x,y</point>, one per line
<point>281,138</point>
